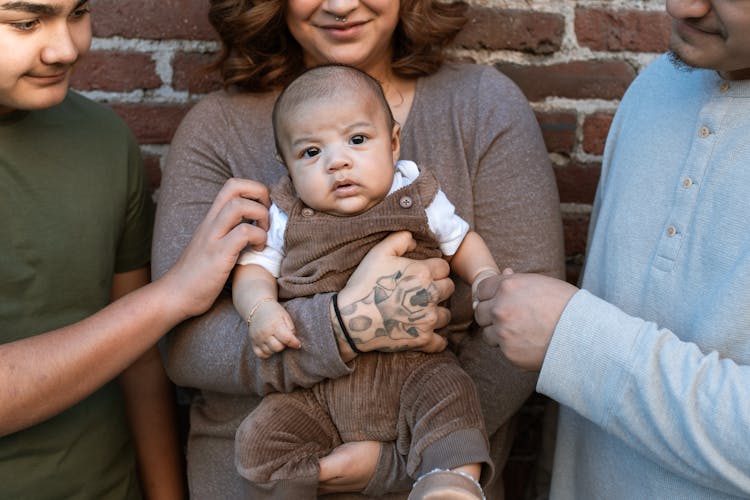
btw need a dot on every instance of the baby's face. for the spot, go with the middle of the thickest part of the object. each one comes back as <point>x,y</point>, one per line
<point>340,153</point>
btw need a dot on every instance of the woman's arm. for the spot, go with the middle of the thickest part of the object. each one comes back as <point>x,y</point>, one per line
<point>517,213</point>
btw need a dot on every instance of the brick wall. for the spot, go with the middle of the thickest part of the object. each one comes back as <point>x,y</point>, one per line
<point>572,58</point>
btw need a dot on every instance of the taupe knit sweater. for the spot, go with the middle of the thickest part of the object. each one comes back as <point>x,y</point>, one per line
<point>476,131</point>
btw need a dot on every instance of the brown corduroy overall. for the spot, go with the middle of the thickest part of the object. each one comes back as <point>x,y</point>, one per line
<point>425,403</point>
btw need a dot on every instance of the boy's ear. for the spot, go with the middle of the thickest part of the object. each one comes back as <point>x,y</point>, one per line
<point>396,141</point>
<point>278,157</point>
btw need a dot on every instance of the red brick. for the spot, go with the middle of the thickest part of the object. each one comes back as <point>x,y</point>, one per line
<point>151,165</point>
<point>577,182</point>
<point>190,73</point>
<point>622,30</point>
<point>573,269</point>
<point>559,131</point>
<point>595,129</point>
<point>498,29</point>
<point>575,228</point>
<point>115,72</point>
<point>575,80</point>
<point>152,123</point>
<point>152,19</point>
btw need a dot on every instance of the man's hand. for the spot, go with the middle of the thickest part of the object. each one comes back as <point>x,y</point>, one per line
<point>519,312</point>
<point>390,303</point>
<point>349,467</point>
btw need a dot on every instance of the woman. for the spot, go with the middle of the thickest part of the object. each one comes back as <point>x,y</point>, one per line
<point>470,124</point>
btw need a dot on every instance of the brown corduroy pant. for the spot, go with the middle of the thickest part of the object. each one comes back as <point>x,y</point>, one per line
<point>425,403</point>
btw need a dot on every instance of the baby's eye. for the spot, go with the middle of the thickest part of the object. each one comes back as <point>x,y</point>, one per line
<point>358,139</point>
<point>310,152</point>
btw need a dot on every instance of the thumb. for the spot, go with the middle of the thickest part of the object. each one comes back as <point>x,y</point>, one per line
<point>395,244</point>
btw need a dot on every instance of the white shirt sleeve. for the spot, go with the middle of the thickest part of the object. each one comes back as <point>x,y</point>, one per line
<point>449,228</point>
<point>271,256</point>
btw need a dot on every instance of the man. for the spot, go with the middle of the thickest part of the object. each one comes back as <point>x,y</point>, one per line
<point>650,361</point>
<point>75,220</point>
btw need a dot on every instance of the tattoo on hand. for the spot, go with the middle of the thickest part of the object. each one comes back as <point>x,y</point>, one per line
<point>401,302</point>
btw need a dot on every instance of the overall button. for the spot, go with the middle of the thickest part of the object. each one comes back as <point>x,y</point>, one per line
<point>704,132</point>
<point>671,231</point>
<point>724,87</point>
<point>406,202</point>
<point>687,182</point>
<point>307,212</point>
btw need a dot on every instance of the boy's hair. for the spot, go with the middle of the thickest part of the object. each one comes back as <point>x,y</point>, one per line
<point>326,81</point>
<point>258,53</point>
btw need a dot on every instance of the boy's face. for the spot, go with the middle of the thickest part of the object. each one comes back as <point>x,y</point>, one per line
<point>40,41</point>
<point>712,34</point>
<point>340,152</point>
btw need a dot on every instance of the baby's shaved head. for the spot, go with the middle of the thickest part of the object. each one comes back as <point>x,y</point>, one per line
<point>325,82</point>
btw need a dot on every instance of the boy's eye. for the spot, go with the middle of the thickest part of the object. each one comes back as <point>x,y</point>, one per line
<point>310,152</point>
<point>80,12</point>
<point>25,25</point>
<point>358,139</point>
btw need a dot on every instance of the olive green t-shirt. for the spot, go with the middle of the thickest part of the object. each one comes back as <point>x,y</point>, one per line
<point>74,210</point>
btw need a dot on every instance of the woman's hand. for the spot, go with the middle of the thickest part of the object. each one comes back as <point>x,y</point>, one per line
<point>204,266</point>
<point>390,303</point>
<point>349,467</point>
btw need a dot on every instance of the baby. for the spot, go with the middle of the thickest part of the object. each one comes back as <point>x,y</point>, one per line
<point>345,192</point>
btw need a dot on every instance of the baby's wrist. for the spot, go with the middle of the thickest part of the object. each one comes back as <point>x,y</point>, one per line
<point>481,276</point>
<point>254,310</point>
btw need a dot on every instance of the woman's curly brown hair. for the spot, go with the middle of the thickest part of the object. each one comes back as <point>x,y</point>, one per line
<point>258,52</point>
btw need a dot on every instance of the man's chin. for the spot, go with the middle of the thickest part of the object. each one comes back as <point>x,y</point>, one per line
<point>679,63</point>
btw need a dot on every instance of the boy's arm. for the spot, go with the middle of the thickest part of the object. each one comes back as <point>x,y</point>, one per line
<point>473,260</point>
<point>150,406</point>
<point>46,373</point>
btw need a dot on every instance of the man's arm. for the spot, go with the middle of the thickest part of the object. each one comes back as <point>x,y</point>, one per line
<point>149,401</point>
<point>44,374</point>
<point>684,409</point>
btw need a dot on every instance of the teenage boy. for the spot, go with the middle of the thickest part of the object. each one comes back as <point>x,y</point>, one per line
<point>75,219</point>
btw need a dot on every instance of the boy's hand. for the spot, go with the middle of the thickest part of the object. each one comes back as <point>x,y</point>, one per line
<point>271,330</point>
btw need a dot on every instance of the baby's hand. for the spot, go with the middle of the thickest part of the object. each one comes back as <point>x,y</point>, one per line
<point>481,276</point>
<point>271,330</point>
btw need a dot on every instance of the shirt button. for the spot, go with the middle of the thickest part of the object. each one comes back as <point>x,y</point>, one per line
<point>724,87</point>
<point>307,212</point>
<point>671,231</point>
<point>704,132</point>
<point>405,202</point>
<point>687,182</point>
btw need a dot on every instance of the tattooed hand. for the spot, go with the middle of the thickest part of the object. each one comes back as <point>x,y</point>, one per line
<point>390,303</point>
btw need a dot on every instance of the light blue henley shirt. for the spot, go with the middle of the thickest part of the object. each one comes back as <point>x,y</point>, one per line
<point>651,361</point>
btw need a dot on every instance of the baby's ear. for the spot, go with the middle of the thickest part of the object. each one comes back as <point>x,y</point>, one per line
<point>278,157</point>
<point>396,141</point>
